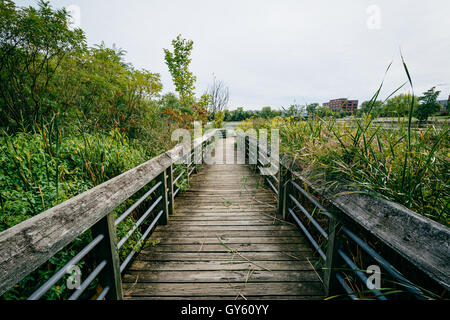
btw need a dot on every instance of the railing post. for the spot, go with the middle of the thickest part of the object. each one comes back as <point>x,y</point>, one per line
<point>247,149</point>
<point>107,250</point>
<point>170,198</point>
<point>330,281</point>
<point>257,154</point>
<point>162,191</point>
<point>281,183</point>
<point>284,189</point>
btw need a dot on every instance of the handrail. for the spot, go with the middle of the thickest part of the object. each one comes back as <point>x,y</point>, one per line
<point>26,246</point>
<point>356,211</point>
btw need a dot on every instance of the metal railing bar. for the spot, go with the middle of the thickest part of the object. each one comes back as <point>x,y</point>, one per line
<point>263,156</point>
<point>175,193</point>
<point>103,294</point>
<point>177,178</point>
<point>130,209</point>
<point>310,218</point>
<point>144,236</point>
<point>308,235</point>
<point>62,271</point>
<point>317,204</point>
<point>272,186</point>
<point>88,281</point>
<point>275,178</point>
<point>345,286</point>
<point>386,265</point>
<point>139,222</point>
<point>268,161</point>
<point>190,172</point>
<point>360,274</point>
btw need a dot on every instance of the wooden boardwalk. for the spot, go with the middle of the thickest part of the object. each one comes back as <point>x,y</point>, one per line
<point>223,242</point>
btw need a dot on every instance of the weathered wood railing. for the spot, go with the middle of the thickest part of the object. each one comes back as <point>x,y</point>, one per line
<point>360,229</point>
<point>28,245</point>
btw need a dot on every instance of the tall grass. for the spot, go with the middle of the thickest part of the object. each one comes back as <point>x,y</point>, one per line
<point>405,165</point>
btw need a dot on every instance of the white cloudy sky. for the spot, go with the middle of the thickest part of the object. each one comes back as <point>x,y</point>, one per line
<point>277,52</point>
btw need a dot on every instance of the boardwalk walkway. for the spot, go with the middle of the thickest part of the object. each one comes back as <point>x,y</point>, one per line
<point>223,242</point>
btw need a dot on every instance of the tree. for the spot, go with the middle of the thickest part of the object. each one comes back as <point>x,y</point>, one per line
<point>178,63</point>
<point>323,111</point>
<point>373,107</point>
<point>398,105</point>
<point>295,110</point>
<point>201,108</point>
<point>33,44</point>
<point>218,119</point>
<point>219,94</point>
<point>311,109</point>
<point>266,112</point>
<point>428,104</point>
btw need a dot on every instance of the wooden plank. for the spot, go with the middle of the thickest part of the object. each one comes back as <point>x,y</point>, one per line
<point>241,247</point>
<point>231,276</point>
<point>208,256</point>
<point>225,289</point>
<point>187,260</point>
<point>143,265</point>
<point>207,234</point>
<point>230,228</point>
<point>229,240</point>
<point>224,217</point>
<point>251,199</point>
<point>264,210</point>
<point>229,204</point>
<point>234,206</point>
<point>225,223</point>
<point>198,214</point>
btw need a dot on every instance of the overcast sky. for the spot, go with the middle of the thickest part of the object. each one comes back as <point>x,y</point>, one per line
<point>272,53</point>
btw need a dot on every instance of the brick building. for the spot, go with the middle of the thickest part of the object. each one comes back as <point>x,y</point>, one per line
<point>342,104</point>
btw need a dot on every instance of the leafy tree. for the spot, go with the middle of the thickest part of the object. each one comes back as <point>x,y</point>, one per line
<point>201,108</point>
<point>170,101</point>
<point>323,111</point>
<point>374,107</point>
<point>33,44</point>
<point>428,104</point>
<point>107,92</point>
<point>266,112</point>
<point>398,105</point>
<point>218,119</point>
<point>178,63</point>
<point>227,115</point>
<point>312,108</point>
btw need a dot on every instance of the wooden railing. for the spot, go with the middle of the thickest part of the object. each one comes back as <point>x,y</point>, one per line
<point>353,231</point>
<point>30,244</point>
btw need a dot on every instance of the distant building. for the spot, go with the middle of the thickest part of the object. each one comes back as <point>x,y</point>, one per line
<point>342,104</point>
<point>444,104</point>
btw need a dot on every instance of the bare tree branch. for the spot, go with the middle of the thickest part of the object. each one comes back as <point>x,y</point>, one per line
<point>219,96</point>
